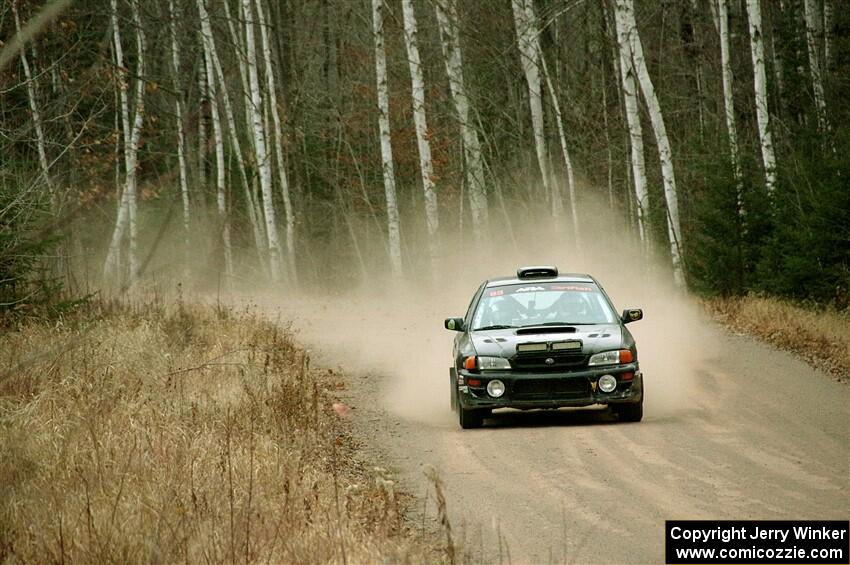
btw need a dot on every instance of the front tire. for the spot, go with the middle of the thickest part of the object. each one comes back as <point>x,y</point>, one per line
<point>453,391</point>
<point>469,419</point>
<point>629,412</point>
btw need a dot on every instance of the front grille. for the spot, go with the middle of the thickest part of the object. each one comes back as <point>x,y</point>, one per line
<point>536,362</point>
<point>555,389</point>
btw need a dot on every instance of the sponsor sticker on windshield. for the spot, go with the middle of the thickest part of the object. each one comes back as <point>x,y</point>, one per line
<point>541,287</point>
<point>530,289</point>
<point>572,287</point>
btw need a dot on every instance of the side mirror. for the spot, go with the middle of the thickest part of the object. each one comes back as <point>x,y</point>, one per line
<point>632,315</point>
<point>454,324</point>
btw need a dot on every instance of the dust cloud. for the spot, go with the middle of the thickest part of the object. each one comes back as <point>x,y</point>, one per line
<point>393,330</point>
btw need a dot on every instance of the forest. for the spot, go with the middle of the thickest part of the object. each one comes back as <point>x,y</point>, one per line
<point>295,141</point>
<point>230,231</point>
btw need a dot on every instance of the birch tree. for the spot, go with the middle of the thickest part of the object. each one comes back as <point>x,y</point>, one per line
<point>218,141</point>
<point>603,65</point>
<point>135,136</point>
<point>127,211</point>
<point>694,47</point>
<point>36,115</point>
<point>565,153</point>
<point>393,228</point>
<point>625,14</point>
<point>828,34</point>
<point>237,40</point>
<point>728,93</point>
<point>181,141</point>
<point>114,252</point>
<point>779,75</point>
<point>630,102</point>
<point>202,125</point>
<point>283,180</point>
<point>450,42</point>
<point>260,147</point>
<point>529,52</point>
<point>814,36</point>
<point>214,67</point>
<point>760,87</point>
<point>420,120</point>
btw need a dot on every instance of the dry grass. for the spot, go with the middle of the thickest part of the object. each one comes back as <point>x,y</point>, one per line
<point>821,337</point>
<point>181,434</point>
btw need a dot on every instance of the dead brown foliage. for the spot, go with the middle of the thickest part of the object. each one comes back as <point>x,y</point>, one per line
<point>184,433</point>
<point>821,337</point>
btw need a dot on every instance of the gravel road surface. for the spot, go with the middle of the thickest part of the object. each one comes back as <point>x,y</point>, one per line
<point>733,429</point>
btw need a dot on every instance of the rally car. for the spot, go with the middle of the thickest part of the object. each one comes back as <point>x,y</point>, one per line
<point>544,340</point>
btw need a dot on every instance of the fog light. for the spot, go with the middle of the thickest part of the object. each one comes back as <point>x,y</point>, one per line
<point>495,388</point>
<point>607,383</point>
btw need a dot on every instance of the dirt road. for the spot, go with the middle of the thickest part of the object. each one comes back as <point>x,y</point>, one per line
<point>733,430</point>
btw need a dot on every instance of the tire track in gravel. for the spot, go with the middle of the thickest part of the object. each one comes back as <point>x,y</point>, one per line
<point>576,486</point>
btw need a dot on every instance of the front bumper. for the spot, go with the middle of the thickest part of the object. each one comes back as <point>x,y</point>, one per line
<point>550,390</point>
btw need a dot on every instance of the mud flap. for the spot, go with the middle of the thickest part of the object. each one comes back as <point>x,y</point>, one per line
<point>453,389</point>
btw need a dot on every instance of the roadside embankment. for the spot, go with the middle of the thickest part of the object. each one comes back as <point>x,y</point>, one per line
<point>821,337</point>
<point>144,432</point>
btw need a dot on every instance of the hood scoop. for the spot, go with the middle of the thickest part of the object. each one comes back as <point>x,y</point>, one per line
<point>546,330</point>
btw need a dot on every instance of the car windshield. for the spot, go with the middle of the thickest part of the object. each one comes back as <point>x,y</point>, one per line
<point>533,304</point>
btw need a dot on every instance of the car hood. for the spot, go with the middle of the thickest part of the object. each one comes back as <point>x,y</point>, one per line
<point>503,343</point>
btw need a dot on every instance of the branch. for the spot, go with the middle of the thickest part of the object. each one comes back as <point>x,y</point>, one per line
<point>35,26</point>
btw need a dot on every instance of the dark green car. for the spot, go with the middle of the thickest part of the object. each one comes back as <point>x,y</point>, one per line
<point>544,340</point>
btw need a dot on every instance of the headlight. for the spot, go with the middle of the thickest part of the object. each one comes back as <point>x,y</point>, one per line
<point>495,388</point>
<point>605,358</point>
<point>611,357</point>
<point>493,364</point>
<point>607,383</point>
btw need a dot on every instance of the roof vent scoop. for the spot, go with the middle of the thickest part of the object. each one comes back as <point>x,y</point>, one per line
<point>537,272</point>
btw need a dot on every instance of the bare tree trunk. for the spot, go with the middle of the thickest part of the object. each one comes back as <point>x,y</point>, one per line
<point>715,16</point>
<point>608,149</point>
<point>113,254</point>
<point>181,141</point>
<point>426,169</point>
<point>420,119</point>
<point>202,124</point>
<point>283,180</point>
<point>760,84</point>
<point>565,153</point>
<point>250,200</point>
<point>450,41</point>
<point>214,66</point>
<point>829,35</point>
<point>260,147</point>
<point>218,140</point>
<point>625,11</point>
<point>779,69</point>
<point>36,117</point>
<point>127,212</point>
<point>136,133</point>
<point>630,101</point>
<point>813,39</point>
<point>344,207</point>
<point>393,227</point>
<point>728,95</point>
<point>118,128</point>
<point>237,41</point>
<point>695,48</point>
<point>529,53</point>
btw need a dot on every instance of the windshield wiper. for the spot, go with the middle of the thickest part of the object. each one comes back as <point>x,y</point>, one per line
<point>494,327</point>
